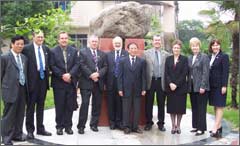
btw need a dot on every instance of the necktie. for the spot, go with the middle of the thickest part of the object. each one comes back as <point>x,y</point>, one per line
<point>116,64</point>
<point>95,59</point>
<point>156,65</point>
<point>21,74</point>
<point>65,58</point>
<point>133,61</point>
<point>40,64</point>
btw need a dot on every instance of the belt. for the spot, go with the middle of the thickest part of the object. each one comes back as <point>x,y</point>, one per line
<point>156,78</point>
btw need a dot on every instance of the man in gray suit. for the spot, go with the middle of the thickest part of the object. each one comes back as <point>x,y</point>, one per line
<point>155,59</point>
<point>14,91</point>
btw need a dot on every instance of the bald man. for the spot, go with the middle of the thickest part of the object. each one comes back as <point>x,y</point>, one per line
<point>114,101</point>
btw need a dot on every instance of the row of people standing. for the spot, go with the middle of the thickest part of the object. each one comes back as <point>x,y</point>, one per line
<point>204,77</point>
<point>94,64</point>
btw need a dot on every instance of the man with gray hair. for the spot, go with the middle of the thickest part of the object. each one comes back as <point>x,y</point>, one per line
<point>155,58</point>
<point>114,101</point>
<point>93,67</point>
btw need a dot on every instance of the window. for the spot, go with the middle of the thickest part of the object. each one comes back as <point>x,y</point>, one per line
<point>80,40</point>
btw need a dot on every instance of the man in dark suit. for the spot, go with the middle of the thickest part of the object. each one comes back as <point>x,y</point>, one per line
<point>14,91</point>
<point>38,71</point>
<point>93,66</point>
<point>131,86</point>
<point>114,102</point>
<point>65,67</point>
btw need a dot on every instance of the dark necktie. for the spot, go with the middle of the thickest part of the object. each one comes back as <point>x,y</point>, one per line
<point>40,64</point>
<point>133,61</point>
<point>116,64</point>
<point>95,59</point>
<point>21,74</point>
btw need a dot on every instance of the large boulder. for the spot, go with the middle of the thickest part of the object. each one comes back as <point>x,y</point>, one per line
<point>127,19</point>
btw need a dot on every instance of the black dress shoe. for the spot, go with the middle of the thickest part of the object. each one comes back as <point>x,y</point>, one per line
<point>217,134</point>
<point>112,127</point>
<point>30,136</point>
<point>94,128</point>
<point>194,130</point>
<point>161,128</point>
<point>138,130</point>
<point>81,130</point>
<point>127,130</point>
<point>120,127</point>
<point>44,133</point>
<point>19,138</point>
<point>173,131</point>
<point>7,142</point>
<point>178,131</point>
<point>59,131</point>
<point>199,132</point>
<point>148,127</point>
<point>69,131</point>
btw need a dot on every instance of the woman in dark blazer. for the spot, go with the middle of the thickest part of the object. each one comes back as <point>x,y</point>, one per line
<point>198,86</point>
<point>176,71</point>
<point>218,78</point>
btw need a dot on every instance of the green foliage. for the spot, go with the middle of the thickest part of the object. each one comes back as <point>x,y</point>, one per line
<point>13,11</point>
<point>51,23</point>
<point>188,29</point>
<point>154,30</point>
<point>217,28</point>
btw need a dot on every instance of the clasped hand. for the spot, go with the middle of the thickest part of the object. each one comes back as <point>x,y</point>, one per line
<point>66,77</point>
<point>94,76</point>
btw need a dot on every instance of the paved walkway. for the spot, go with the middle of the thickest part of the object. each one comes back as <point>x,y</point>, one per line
<point>105,136</point>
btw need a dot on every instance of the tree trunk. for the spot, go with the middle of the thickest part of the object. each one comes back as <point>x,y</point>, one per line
<point>234,69</point>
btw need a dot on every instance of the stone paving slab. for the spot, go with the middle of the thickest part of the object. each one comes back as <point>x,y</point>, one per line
<point>105,136</point>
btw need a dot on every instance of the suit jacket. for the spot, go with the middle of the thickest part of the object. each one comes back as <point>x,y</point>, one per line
<point>150,65</point>
<point>10,76</point>
<point>57,66</point>
<point>176,74</point>
<point>111,67</point>
<point>199,72</point>
<point>219,71</point>
<point>87,67</point>
<point>29,52</point>
<point>132,77</point>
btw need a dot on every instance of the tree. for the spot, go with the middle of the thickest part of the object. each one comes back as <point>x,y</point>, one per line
<point>51,23</point>
<point>231,27</point>
<point>188,29</point>
<point>155,29</point>
<point>13,11</point>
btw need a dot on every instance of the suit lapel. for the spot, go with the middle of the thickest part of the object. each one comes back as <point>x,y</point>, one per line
<point>135,64</point>
<point>13,59</point>
<point>197,59</point>
<point>45,55</point>
<point>60,54</point>
<point>129,63</point>
<point>89,52</point>
<point>152,53</point>
<point>69,55</point>
<point>33,55</point>
<point>216,58</point>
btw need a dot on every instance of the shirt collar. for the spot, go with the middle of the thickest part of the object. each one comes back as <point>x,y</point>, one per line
<point>36,46</point>
<point>132,57</point>
<point>14,53</point>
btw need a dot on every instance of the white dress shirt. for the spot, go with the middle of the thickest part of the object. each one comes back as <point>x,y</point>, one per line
<point>37,58</point>
<point>15,57</point>
<point>194,58</point>
<point>213,58</point>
